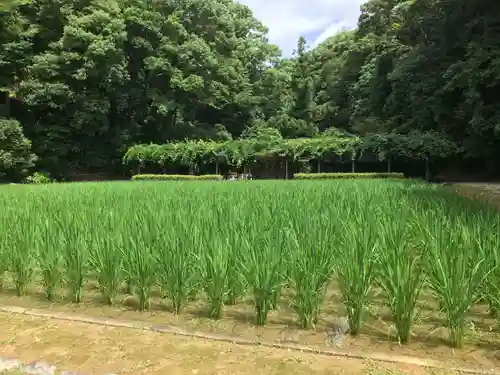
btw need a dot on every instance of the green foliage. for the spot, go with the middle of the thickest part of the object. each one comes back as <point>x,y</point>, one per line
<point>9,5</point>
<point>241,151</point>
<point>263,143</point>
<point>176,177</point>
<point>291,127</point>
<point>90,79</point>
<point>15,150</point>
<point>97,77</point>
<point>415,145</point>
<point>341,176</point>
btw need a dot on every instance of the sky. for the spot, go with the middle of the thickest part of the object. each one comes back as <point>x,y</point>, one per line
<point>316,20</point>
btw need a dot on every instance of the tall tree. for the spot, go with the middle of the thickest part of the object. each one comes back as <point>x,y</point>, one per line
<point>92,77</point>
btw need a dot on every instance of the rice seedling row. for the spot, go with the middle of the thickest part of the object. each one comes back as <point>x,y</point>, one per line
<point>222,242</point>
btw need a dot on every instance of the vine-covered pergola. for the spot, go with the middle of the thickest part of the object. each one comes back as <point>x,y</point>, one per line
<point>244,152</point>
<point>422,146</point>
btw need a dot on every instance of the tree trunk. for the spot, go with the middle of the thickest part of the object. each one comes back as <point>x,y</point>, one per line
<point>286,169</point>
<point>216,167</point>
<point>353,166</point>
<point>319,166</point>
<point>427,170</point>
<point>389,165</point>
<point>7,105</point>
<point>174,118</point>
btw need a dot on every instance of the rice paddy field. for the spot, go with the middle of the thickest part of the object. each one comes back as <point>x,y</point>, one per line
<point>388,263</point>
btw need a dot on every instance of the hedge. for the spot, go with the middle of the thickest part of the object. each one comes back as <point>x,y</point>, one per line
<point>325,176</point>
<point>176,177</point>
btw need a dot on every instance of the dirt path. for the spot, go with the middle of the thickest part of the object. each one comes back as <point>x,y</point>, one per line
<point>91,349</point>
<point>487,192</point>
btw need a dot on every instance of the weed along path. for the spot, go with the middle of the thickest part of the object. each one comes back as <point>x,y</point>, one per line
<point>67,347</point>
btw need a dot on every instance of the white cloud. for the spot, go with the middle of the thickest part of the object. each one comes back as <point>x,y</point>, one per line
<point>315,19</point>
<point>331,30</point>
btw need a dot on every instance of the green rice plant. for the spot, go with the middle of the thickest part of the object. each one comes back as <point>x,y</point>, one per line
<point>356,259</point>
<point>218,267</point>
<point>215,259</point>
<point>399,267</point>
<point>492,284</point>
<point>130,271</point>
<point>262,268</point>
<point>176,260</point>
<point>139,258</point>
<point>141,270</point>
<point>275,297</point>
<point>236,283</point>
<point>21,257</point>
<point>75,254</point>
<point>129,284</point>
<point>4,262</point>
<point>235,280</point>
<point>106,256</point>
<point>456,268</point>
<point>311,266</point>
<point>6,242</point>
<point>176,266</point>
<point>49,257</point>
<point>489,241</point>
<point>125,246</point>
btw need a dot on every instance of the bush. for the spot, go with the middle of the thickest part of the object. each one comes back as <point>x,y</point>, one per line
<point>15,150</point>
<point>176,177</point>
<point>325,176</point>
<point>38,178</point>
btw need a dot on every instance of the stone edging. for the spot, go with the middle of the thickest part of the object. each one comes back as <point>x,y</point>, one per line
<point>379,357</point>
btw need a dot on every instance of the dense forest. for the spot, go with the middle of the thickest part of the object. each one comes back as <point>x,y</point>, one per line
<point>84,80</point>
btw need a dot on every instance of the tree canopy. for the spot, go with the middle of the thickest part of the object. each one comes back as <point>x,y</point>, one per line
<point>90,79</point>
<point>15,150</point>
